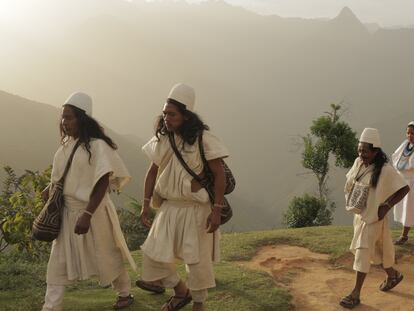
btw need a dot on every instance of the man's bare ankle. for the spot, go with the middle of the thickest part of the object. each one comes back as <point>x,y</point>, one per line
<point>355,293</point>
<point>181,291</point>
<point>198,306</point>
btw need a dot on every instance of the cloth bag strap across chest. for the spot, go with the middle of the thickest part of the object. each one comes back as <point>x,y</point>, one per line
<point>207,181</point>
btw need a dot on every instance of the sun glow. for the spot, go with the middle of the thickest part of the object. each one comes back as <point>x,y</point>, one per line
<point>14,13</point>
<point>29,17</point>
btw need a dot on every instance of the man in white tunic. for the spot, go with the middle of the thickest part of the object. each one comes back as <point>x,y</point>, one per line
<point>186,225</point>
<point>372,188</point>
<point>90,242</point>
<point>403,161</point>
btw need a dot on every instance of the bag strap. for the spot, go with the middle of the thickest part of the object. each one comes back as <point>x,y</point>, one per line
<point>187,168</point>
<point>203,154</point>
<point>68,164</point>
<point>359,177</point>
<point>180,158</point>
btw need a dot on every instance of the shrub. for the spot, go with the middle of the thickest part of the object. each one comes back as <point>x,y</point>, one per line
<point>20,203</point>
<point>19,271</point>
<point>308,211</point>
<point>135,233</point>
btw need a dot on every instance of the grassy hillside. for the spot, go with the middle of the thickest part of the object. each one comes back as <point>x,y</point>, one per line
<point>237,288</point>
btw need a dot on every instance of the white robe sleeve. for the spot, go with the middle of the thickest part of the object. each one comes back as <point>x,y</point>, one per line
<point>156,149</point>
<point>390,181</point>
<point>213,147</point>
<point>57,170</point>
<point>106,160</point>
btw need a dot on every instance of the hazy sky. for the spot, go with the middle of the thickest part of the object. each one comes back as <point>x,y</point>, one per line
<point>387,13</point>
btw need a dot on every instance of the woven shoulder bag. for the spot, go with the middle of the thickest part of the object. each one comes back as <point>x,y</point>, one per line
<point>46,226</point>
<point>207,182</point>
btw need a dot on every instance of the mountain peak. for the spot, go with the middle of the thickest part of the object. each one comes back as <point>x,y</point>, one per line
<point>347,22</point>
<point>347,16</point>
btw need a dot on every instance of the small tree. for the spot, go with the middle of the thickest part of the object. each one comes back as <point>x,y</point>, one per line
<point>328,136</point>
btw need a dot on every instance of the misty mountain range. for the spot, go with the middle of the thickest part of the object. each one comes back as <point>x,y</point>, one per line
<point>260,81</point>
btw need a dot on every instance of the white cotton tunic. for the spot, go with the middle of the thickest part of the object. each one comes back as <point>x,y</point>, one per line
<point>179,228</point>
<point>369,232</point>
<point>102,251</point>
<point>404,210</point>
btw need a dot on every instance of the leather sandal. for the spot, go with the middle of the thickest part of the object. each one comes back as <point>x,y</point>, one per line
<point>150,287</point>
<point>178,305</point>
<point>349,302</point>
<point>123,302</point>
<point>390,283</point>
<point>401,240</point>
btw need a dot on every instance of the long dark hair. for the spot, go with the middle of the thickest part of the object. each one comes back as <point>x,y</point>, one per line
<point>191,128</point>
<point>88,129</point>
<point>380,159</point>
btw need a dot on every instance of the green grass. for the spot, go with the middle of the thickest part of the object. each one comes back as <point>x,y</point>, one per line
<point>237,287</point>
<point>332,240</point>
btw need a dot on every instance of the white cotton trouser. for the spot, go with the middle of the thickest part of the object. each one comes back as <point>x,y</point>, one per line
<point>166,273</point>
<point>54,297</point>
<point>362,262</point>
<point>379,248</point>
<point>54,293</point>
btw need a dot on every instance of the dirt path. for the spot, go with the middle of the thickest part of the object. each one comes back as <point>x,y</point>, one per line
<point>316,285</point>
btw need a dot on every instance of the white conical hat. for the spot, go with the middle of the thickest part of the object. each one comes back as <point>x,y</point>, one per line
<point>371,136</point>
<point>80,100</point>
<point>184,94</point>
<point>411,123</point>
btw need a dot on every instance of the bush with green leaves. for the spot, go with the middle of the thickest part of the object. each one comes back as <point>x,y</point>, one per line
<point>308,211</point>
<point>20,203</point>
<point>135,233</point>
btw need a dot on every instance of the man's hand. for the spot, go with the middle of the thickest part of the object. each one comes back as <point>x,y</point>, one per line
<point>383,210</point>
<point>83,224</point>
<point>144,217</point>
<point>213,220</point>
<point>195,185</point>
